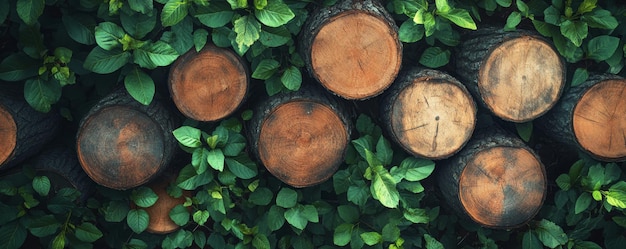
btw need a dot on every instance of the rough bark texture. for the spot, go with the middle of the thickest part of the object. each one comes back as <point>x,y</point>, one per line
<point>517,75</point>
<point>495,180</point>
<point>122,144</point>
<point>24,131</point>
<point>429,113</point>
<point>209,85</point>
<point>61,165</point>
<point>352,48</point>
<point>301,137</point>
<point>591,117</point>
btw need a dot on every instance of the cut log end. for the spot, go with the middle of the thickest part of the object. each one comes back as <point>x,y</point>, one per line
<point>8,133</point>
<point>502,186</point>
<point>160,221</point>
<point>356,55</point>
<point>208,85</point>
<point>599,120</point>
<point>521,79</point>
<point>302,142</point>
<point>120,148</point>
<point>433,118</point>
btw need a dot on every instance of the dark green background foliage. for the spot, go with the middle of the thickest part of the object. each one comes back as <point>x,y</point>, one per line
<point>67,54</point>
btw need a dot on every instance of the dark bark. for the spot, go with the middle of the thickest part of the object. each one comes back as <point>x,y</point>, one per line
<point>63,162</point>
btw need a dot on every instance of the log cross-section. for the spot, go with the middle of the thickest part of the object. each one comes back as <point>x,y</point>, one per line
<point>352,48</point>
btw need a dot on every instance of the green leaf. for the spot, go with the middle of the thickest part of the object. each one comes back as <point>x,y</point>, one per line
<point>236,144</point>
<point>513,20</point>
<point>442,6</point>
<point>417,169</point>
<point>138,25</point>
<point>215,158</point>
<point>597,195</point>
<point>432,243</point>
<point>59,241</point>
<point>217,14</point>
<point>550,234</point>
<point>295,217</point>
<point>358,194</point>
<point>460,17</point>
<point>602,19</point>
<point>41,94</point>
<point>435,57</point>
<point>274,37</point>
<point>199,238</point>
<point>586,6</point>
<point>30,10</point>
<point>620,220</point>
<point>137,220</point>
<point>199,159</point>
<point>602,47</point>
<point>575,31</point>
<point>153,55</point>
<point>17,67</point>
<point>173,12</point>
<point>242,167</point>
<point>275,14</point>
<point>260,241</point>
<point>391,232</point>
<point>291,78</point>
<point>564,182</point>
<point>342,234</point>
<point>179,214</point>
<point>552,15</point>
<point>41,185</point>
<point>115,211</point>
<point>371,238</point>
<point>87,232</point>
<point>384,153</point>
<point>43,226</point>
<point>348,213</point>
<point>580,76</point>
<point>106,61</point>
<point>286,198</point>
<point>140,86</point>
<point>261,196</point>
<point>141,6</point>
<point>410,32</point>
<point>80,28</point>
<point>144,196</point>
<point>108,35</point>
<point>12,235</point>
<point>530,241</point>
<point>582,202</point>
<point>188,179</point>
<point>616,196</point>
<point>383,187</point>
<point>265,69</point>
<point>416,215</point>
<point>275,218</point>
<point>524,130</point>
<point>238,4</point>
<point>188,136</point>
<point>200,38</point>
<point>248,30</point>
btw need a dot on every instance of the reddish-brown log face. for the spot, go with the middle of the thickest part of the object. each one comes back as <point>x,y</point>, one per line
<point>160,221</point>
<point>355,55</point>
<point>120,148</point>
<point>521,79</point>
<point>208,85</point>
<point>302,143</point>
<point>8,134</point>
<point>433,119</point>
<point>502,186</point>
<point>599,120</point>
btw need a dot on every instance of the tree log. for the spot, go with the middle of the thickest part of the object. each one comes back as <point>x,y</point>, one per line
<point>591,117</point>
<point>352,48</point>
<point>61,165</point>
<point>160,221</point>
<point>123,144</point>
<point>428,113</point>
<point>24,131</point>
<point>301,137</point>
<point>495,180</point>
<point>209,85</point>
<point>517,75</point>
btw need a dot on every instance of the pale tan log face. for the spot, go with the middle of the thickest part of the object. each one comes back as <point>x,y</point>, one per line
<point>356,55</point>
<point>302,142</point>
<point>8,134</point>
<point>502,186</point>
<point>521,79</point>
<point>160,221</point>
<point>599,120</point>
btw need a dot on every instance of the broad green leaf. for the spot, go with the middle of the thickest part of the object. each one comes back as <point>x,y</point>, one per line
<point>295,217</point>
<point>582,202</point>
<point>173,12</point>
<point>115,211</point>
<point>575,31</point>
<point>275,14</point>
<point>550,234</point>
<point>602,19</point>
<point>199,238</point>
<point>17,67</point>
<point>460,17</point>
<point>291,78</point>
<point>153,55</point>
<point>586,6</point>
<point>144,196</point>
<point>416,215</point>
<point>260,241</point>
<point>432,243</point>
<point>199,159</point>
<point>586,245</point>
<point>342,234</point>
<point>30,10</point>
<point>391,232</point>
<point>242,167</point>
<point>80,27</point>
<point>275,218</point>
<point>215,158</point>
<point>43,226</point>
<point>41,94</point>
<point>371,238</point>
<point>435,57</point>
<point>248,31</point>
<point>274,37</point>
<point>429,24</point>
<point>41,185</point>
<point>619,220</point>
<point>522,7</point>
<point>348,213</point>
<point>513,20</point>
<point>59,241</point>
<point>106,61</point>
<point>597,195</point>
<point>260,4</point>
<point>418,18</point>
<point>141,6</point>
<point>580,76</point>
<point>273,85</point>
<point>217,14</point>
<point>524,130</point>
<point>238,4</point>
<point>442,6</point>
<point>12,235</point>
<point>384,153</point>
<point>261,196</point>
<point>286,198</point>
<point>417,169</point>
<point>140,86</point>
<point>362,145</point>
<point>265,69</point>
<point>87,232</point>
<point>552,15</point>
<point>616,195</point>
<point>530,241</point>
<point>200,38</point>
<point>137,220</point>
<point>504,3</point>
<point>383,187</point>
<point>235,145</point>
<point>138,25</point>
<point>602,47</point>
<point>135,244</point>
<point>188,136</point>
<point>179,215</point>
<point>564,182</point>
<point>410,32</point>
<point>358,194</point>
<point>108,35</point>
<point>181,36</point>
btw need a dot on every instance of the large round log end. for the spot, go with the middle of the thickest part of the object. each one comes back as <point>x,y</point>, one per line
<point>120,147</point>
<point>302,142</point>
<point>8,133</point>
<point>599,120</point>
